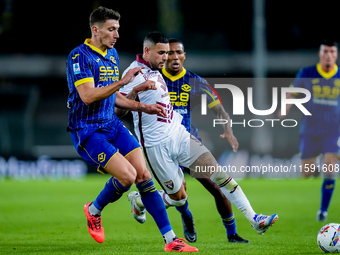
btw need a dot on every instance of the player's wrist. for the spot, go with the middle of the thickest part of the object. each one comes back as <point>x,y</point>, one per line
<point>140,107</point>
<point>135,90</point>
<point>123,82</point>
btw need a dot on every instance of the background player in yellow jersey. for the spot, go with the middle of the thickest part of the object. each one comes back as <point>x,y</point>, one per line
<point>319,132</point>
<point>177,79</point>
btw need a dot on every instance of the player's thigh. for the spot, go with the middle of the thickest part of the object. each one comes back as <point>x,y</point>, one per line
<point>201,163</point>
<point>163,167</point>
<point>180,194</point>
<point>308,166</point>
<point>330,148</point>
<point>310,146</point>
<point>95,147</point>
<point>100,148</point>
<point>330,166</point>
<point>125,141</point>
<point>189,150</point>
<point>121,169</point>
<point>130,148</point>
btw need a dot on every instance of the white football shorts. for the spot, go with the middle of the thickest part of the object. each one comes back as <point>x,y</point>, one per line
<point>164,159</point>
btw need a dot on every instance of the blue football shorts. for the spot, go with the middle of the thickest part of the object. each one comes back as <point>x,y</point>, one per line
<point>98,146</point>
<point>313,145</point>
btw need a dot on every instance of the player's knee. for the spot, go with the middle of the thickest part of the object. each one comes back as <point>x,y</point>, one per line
<point>222,179</point>
<point>128,177</point>
<point>219,177</point>
<point>179,198</point>
<point>306,173</point>
<point>176,201</point>
<point>142,175</point>
<point>330,159</point>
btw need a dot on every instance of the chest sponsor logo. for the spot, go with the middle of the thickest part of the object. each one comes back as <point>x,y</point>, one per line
<point>108,73</point>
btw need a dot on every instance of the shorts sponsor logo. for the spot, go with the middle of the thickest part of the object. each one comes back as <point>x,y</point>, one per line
<point>101,157</point>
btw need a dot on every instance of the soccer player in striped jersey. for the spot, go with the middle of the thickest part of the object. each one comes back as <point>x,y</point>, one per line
<point>167,144</point>
<point>180,83</point>
<point>98,134</point>
<point>319,132</point>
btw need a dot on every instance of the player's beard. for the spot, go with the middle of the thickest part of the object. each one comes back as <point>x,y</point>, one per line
<point>156,66</point>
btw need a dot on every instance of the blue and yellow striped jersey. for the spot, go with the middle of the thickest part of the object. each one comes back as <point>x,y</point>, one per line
<point>324,104</point>
<point>87,63</point>
<point>183,89</point>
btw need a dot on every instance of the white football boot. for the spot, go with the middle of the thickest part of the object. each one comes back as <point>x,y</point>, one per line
<point>263,222</point>
<point>138,209</point>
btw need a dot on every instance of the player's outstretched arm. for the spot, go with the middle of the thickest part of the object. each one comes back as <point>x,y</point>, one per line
<point>147,85</point>
<point>132,105</point>
<point>228,132</point>
<point>90,94</point>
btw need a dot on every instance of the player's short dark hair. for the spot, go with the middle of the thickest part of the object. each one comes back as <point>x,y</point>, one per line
<point>174,40</point>
<point>154,38</point>
<point>329,42</point>
<point>101,14</point>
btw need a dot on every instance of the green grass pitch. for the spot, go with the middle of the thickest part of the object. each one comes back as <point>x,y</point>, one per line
<point>46,217</point>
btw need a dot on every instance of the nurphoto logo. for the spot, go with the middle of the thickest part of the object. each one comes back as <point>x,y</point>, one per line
<point>239,106</point>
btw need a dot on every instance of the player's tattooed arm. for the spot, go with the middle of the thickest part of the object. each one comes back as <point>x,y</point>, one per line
<point>228,132</point>
<point>147,85</point>
<point>131,105</point>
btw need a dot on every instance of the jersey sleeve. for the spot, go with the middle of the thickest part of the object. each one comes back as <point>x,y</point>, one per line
<point>299,81</point>
<point>79,68</point>
<point>212,96</point>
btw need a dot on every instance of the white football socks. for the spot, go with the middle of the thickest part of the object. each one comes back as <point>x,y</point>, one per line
<point>94,211</point>
<point>169,236</point>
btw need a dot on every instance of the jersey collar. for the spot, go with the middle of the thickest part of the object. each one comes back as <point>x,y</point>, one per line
<point>87,42</point>
<point>139,59</point>
<point>176,77</point>
<point>324,74</point>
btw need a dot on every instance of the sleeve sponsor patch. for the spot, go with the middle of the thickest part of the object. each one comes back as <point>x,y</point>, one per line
<point>76,68</point>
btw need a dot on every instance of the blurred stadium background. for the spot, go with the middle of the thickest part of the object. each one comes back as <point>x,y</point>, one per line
<point>248,39</point>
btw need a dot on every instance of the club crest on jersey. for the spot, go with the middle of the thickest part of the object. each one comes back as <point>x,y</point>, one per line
<point>113,60</point>
<point>337,82</point>
<point>169,184</point>
<point>76,68</point>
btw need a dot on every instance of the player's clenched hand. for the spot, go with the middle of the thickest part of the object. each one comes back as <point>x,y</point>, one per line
<point>231,139</point>
<point>155,109</point>
<point>145,86</point>
<point>131,74</point>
